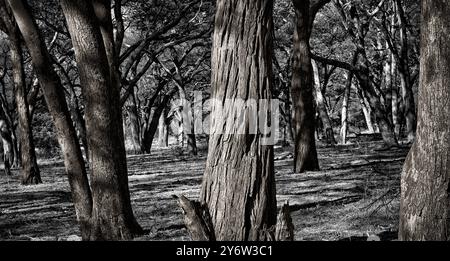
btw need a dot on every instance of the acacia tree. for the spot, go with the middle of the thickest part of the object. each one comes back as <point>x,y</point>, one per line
<point>238,184</point>
<point>29,168</point>
<point>302,86</point>
<point>92,38</point>
<point>424,206</point>
<point>56,103</point>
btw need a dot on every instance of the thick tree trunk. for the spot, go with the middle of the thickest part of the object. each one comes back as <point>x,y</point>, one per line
<point>302,89</point>
<point>29,168</point>
<point>322,108</point>
<point>424,207</point>
<point>56,103</point>
<point>239,184</point>
<point>345,106</point>
<point>112,216</point>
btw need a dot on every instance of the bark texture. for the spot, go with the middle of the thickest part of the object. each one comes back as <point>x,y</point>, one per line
<point>424,206</point>
<point>238,184</point>
<point>56,103</point>
<point>112,217</point>
<point>29,168</point>
<point>302,92</point>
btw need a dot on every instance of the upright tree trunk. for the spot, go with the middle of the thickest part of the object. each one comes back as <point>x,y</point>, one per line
<point>424,206</point>
<point>163,132</point>
<point>409,109</point>
<point>133,125</point>
<point>302,89</point>
<point>345,106</point>
<point>112,217</point>
<point>322,108</point>
<point>56,103</point>
<point>78,120</point>
<point>187,121</point>
<point>150,131</point>
<point>239,184</point>
<point>29,168</point>
<point>367,111</point>
<point>394,87</point>
<point>8,156</point>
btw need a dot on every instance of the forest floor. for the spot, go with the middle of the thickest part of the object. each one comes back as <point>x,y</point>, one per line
<point>355,196</point>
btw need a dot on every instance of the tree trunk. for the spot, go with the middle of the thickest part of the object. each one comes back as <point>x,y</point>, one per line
<point>133,125</point>
<point>302,89</point>
<point>150,131</point>
<point>239,184</point>
<point>187,120</point>
<point>163,132</point>
<point>409,109</point>
<point>29,168</point>
<point>345,106</point>
<point>8,159</point>
<point>322,108</point>
<point>424,207</point>
<point>78,120</point>
<point>112,216</point>
<point>56,103</point>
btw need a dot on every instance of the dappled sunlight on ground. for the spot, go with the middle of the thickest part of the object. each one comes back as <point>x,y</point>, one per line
<point>354,196</point>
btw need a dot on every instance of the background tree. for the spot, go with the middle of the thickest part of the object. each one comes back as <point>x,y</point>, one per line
<point>29,168</point>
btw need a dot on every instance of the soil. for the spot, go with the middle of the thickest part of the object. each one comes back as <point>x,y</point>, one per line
<point>355,195</point>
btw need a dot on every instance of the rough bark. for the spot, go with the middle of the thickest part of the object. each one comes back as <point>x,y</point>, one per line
<point>112,217</point>
<point>239,184</point>
<point>53,92</point>
<point>29,168</point>
<point>302,89</point>
<point>56,103</point>
<point>284,230</point>
<point>424,207</point>
<point>197,220</point>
